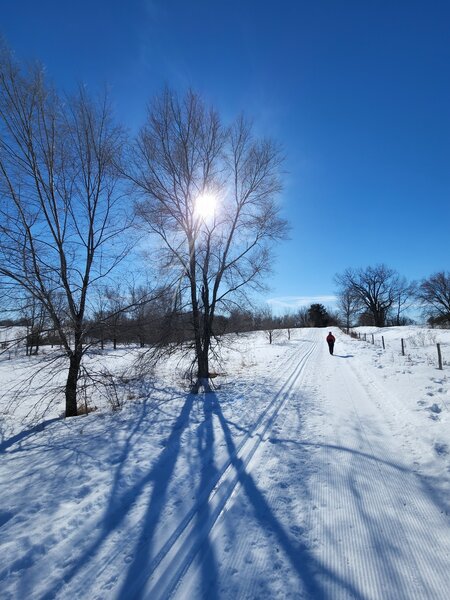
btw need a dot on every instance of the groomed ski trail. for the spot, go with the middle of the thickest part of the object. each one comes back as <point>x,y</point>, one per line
<point>330,506</point>
<point>188,541</point>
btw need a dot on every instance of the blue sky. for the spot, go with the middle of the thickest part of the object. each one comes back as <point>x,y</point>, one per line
<point>357,93</point>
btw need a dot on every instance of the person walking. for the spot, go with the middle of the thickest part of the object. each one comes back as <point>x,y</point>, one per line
<point>330,341</point>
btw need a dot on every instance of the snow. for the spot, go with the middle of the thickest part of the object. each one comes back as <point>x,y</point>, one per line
<point>303,475</point>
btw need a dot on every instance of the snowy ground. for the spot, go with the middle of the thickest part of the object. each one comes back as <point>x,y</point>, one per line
<point>304,475</point>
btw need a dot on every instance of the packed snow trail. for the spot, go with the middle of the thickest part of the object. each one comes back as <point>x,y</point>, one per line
<point>213,499</point>
<point>380,525</point>
<point>331,506</point>
<point>304,476</point>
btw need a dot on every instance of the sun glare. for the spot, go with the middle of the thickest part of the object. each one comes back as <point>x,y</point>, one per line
<point>205,206</point>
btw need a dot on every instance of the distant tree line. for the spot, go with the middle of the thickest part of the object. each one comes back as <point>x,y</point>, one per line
<point>157,324</point>
<point>372,296</point>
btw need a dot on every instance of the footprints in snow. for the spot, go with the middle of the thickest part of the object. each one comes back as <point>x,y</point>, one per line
<point>438,393</point>
<point>437,410</point>
<point>441,449</point>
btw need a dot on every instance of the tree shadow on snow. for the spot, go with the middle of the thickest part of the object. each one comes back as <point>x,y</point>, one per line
<point>318,580</point>
<point>151,489</point>
<point>368,477</point>
<point>27,433</point>
<point>202,551</point>
<point>304,564</point>
<point>122,500</point>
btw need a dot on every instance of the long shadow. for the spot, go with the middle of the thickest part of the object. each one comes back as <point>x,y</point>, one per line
<point>205,446</point>
<point>343,355</point>
<point>426,482</point>
<point>26,433</point>
<point>299,555</point>
<point>202,550</point>
<point>310,572</point>
<point>388,550</point>
<point>122,503</point>
<point>161,474</point>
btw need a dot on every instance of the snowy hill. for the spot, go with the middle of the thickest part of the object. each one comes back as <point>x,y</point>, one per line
<point>303,475</point>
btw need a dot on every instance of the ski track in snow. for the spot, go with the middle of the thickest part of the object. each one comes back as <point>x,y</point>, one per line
<point>376,529</point>
<point>393,537</point>
<point>188,542</point>
<point>320,493</point>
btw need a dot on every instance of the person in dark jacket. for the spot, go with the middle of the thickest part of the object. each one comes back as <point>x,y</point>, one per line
<point>330,341</point>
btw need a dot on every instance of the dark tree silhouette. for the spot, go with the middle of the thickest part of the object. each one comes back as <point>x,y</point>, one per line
<point>318,315</point>
<point>58,183</point>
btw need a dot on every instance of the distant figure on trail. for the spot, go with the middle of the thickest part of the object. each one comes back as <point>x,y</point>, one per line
<point>330,341</point>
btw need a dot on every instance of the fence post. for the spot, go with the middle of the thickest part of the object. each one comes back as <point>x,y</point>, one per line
<point>382,341</point>
<point>403,347</point>
<point>373,341</point>
<point>365,337</point>
<point>439,356</point>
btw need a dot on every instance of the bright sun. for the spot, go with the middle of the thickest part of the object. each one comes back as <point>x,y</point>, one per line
<point>205,205</point>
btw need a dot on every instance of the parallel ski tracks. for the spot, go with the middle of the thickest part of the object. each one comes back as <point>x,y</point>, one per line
<point>177,554</point>
<point>161,576</point>
<point>217,493</point>
<point>393,493</point>
<point>409,499</point>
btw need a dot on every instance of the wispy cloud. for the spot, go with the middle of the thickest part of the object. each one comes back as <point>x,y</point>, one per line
<point>295,302</point>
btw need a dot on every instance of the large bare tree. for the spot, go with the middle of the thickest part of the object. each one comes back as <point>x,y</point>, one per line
<point>374,288</point>
<point>59,201</point>
<point>184,161</point>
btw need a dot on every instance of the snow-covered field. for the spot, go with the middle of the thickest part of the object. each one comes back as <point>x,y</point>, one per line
<point>303,475</point>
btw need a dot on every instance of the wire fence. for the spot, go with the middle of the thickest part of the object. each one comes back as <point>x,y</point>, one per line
<point>401,345</point>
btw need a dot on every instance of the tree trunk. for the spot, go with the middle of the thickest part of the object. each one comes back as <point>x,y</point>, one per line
<point>71,385</point>
<point>379,317</point>
<point>202,372</point>
<point>203,345</point>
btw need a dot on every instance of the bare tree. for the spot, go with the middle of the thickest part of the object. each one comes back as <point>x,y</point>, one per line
<point>404,296</point>
<point>59,201</point>
<point>116,303</point>
<point>301,317</point>
<point>288,322</point>
<point>374,287</point>
<point>348,307</point>
<point>185,157</point>
<point>34,315</point>
<point>240,320</point>
<point>267,322</point>
<point>140,315</point>
<point>434,295</point>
